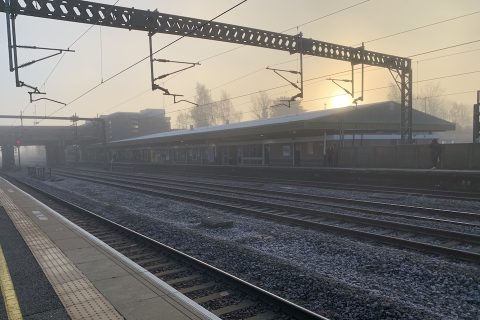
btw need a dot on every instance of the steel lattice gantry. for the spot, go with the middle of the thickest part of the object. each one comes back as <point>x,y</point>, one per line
<point>156,22</point>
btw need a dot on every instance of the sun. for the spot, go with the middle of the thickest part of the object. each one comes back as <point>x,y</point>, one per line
<point>340,101</point>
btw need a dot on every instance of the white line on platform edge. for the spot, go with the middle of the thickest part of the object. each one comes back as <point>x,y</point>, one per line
<point>172,292</point>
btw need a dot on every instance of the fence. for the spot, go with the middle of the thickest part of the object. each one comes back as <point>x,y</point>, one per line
<point>453,156</point>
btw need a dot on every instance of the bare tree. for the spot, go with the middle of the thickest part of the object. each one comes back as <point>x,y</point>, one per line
<point>282,107</point>
<point>261,104</point>
<point>460,114</point>
<point>183,120</point>
<point>202,115</point>
<point>209,112</point>
<point>429,100</point>
<point>394,93</point>
<point>224,111</point>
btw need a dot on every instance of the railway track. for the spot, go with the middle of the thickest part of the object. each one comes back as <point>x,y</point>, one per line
<point>454,195</point>
<point>438,241</point>
<point>422,192</point>
<point>363,206</point>
<point>219,292</point>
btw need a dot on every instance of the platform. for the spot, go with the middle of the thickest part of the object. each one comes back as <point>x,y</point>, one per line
<point>59,271</point>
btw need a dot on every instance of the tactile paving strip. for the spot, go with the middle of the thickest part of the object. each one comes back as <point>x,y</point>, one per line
<point>7,291</point>
<point>80,298</point>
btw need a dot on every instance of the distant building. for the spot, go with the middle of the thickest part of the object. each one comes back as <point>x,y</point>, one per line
<point>124,125</point>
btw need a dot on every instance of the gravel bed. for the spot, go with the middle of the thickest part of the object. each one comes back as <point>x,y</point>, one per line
<point>412,200</point>
<point>406,220</point>
<point>247,313</point>
<point>334,276</point>
<point>222,302</point>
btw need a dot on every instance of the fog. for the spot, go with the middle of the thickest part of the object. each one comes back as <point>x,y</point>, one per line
<point>31,156</point>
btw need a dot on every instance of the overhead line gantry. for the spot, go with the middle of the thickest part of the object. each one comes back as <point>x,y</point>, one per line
<point>156,22</point>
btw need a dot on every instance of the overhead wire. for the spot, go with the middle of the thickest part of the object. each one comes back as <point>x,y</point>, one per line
<point>368,68</point>
<point>78,38</point>
<point>326,97</point>
<point>444,48</point>
<point>423,26</point>
<point>323,77</point>
<point>290,60</point>
<point>147,57</point>
<point>327,15</point>
<point>418,81</point>
<point>449,55</point>
<point>311,21</point>
<point>296,27</point>
<point>128,100</point>
<point>346,71</point>
<point>368,41</point>
<point>292,28</point>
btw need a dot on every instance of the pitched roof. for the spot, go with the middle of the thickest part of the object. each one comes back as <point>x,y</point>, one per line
<point>382,116</point>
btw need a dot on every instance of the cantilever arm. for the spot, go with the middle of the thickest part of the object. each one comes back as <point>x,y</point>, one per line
<point>340,86</point>
<point>59,51</point>
<point>182,100</point>
<point>284,78</point>
<point>33,100</point>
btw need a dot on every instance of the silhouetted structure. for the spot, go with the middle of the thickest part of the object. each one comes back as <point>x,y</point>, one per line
<point>124,125</point>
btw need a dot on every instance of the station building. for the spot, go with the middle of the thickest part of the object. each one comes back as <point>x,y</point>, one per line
<point>295,140</point>
<point>124,125</point>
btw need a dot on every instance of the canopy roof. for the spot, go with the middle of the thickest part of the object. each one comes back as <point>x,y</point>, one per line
<point>376,117</point>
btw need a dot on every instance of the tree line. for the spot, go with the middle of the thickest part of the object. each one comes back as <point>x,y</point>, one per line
<point>429,99</point>
<point>208,112</point>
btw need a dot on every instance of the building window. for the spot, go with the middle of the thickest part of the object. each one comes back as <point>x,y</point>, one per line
<point>252,151</point>
<point>286,150</point>
<point>310,148</point>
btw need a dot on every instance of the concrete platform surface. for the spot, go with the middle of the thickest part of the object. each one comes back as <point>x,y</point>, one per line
<point>91,280</point>
<point>35,294</point>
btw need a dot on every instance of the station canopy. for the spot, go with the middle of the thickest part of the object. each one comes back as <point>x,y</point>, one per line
<point>382,117</point>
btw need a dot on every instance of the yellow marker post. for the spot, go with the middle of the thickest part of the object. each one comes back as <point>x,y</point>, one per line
<point>8,291</point>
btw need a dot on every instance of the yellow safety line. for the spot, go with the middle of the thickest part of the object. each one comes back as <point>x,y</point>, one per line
<point>8,291</point>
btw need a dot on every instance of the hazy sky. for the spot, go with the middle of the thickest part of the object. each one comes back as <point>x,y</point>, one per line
<point>77,72</point>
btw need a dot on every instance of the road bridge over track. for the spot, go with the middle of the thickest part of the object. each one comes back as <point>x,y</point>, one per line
<point>55,139</point>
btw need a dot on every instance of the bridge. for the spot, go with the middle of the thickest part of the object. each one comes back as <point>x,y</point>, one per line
<point>55,138</point>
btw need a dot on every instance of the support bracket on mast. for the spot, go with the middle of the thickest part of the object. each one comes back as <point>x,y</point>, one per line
<point>351,92</point>
<point>14,66</point>
<point>155,86</point>
<point>281,72</point>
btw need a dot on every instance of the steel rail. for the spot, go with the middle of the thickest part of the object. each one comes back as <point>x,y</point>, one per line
<point>437,193</point>
<point>279,304</point>
<point>297,196</point>
<point>342,216</point>
<point>251,207</point>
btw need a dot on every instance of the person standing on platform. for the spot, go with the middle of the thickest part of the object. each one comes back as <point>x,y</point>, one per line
<point>436,153</point>
<point>329,156</point>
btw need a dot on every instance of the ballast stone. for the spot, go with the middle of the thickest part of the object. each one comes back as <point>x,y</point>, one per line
<point>215,222</point>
